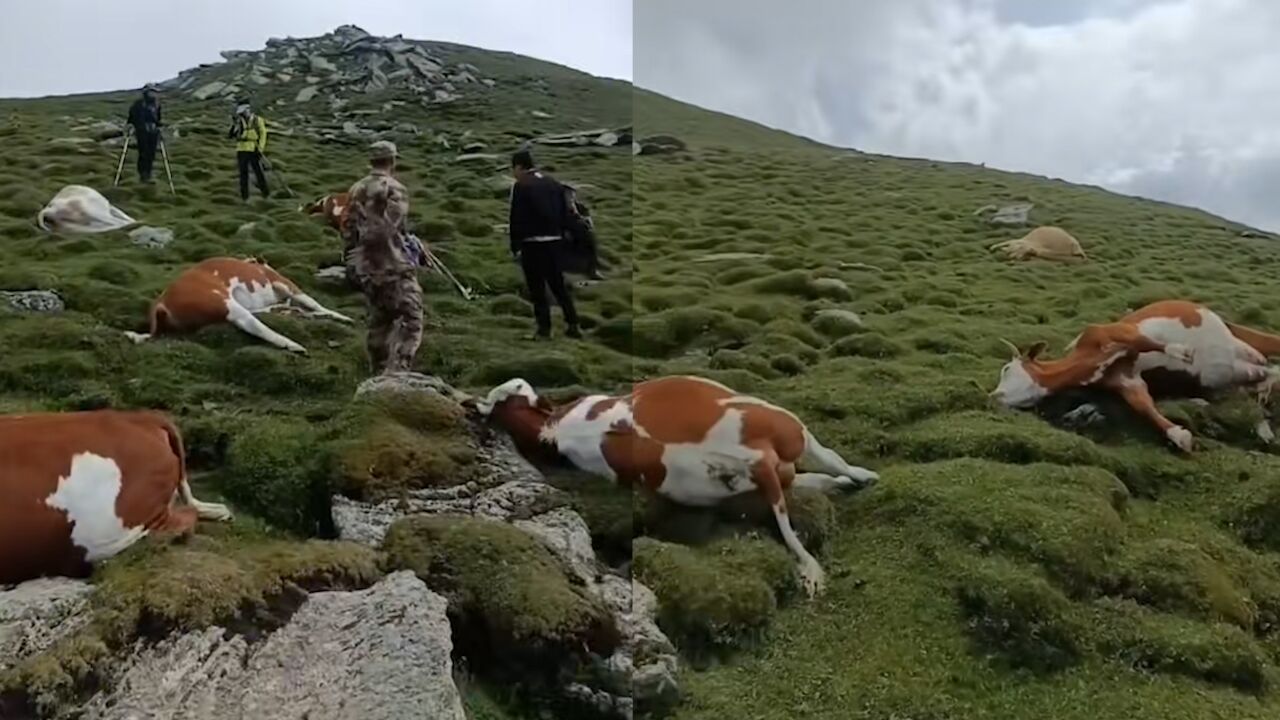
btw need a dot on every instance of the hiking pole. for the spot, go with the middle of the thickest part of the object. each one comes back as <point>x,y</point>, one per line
<point>167,172</point>
<point>128,131</point>
<point>440,267</point>
<point>271,168</point>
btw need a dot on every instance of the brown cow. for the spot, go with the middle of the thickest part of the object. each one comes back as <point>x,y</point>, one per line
<point>688,439</point>
<point>225,289</point>
<point>76,488</point>
<point>333,208</point>
<point>1171,344</point>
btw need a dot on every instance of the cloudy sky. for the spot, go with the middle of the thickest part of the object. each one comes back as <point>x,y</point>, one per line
<point>1173,99</point>
<point>50,47</point>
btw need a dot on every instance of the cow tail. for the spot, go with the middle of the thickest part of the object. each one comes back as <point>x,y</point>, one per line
<point>158,309</point>
<point>176,445</point>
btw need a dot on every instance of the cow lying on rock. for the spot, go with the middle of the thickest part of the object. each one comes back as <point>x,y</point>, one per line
<point>689,439</point>
<point>225,289</point>
<point>1172,346</point>
<point>76,488</point>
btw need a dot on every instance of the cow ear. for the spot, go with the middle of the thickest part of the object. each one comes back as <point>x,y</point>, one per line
<point>1034,351</point>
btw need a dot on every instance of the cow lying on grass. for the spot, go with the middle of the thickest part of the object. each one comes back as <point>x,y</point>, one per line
<point>1048,243</point>
<point>333,208</point>
<point>225,289</point>
<point>81,209</point>
<point>1166,346</point>
<point>691,440</point>
<point>76,488</point>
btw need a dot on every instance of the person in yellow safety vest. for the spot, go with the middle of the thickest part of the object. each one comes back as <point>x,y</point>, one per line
<point>249,131</point>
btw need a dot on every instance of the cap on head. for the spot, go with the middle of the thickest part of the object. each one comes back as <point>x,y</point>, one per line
<point>242,108</point>
<point>150,88</point>
<point>383,150</point>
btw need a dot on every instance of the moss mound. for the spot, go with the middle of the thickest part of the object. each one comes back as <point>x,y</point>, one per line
<point>277,468</point>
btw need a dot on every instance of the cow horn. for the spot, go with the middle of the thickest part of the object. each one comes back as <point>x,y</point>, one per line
<point>1016,352</point>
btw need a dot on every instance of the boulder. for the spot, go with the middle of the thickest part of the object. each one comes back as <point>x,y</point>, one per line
<point>836,323</point>
<point>380,653</point>
<point>204,92</point>
<point>606,139</point>
<point>336,273</point>
<point>36,614</point>
<point>477,158</point>
<point>36,301</point>
<point>660,144</point>
<point>1014,214</point>
<point>320,64</point>
<point>306,93</point>
<point>151,237</point>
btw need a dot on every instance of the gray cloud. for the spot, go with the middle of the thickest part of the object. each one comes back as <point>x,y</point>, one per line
<point>55,47</point>
<point>1173,99</point>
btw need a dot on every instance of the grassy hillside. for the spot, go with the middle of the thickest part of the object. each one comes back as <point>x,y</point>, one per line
<point>261,424</point>
<point>1003,568</point>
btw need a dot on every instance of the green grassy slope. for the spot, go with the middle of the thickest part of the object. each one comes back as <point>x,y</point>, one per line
<point>1003,568</point>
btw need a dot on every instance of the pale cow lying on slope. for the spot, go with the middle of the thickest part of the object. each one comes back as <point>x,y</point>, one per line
<point>224,289</point>
<point>77,488</point>
<point>81,209</point>
<point>1172,344</point>
<point>689,439</point>
<point>333,208</point>
<point>1048,243</point>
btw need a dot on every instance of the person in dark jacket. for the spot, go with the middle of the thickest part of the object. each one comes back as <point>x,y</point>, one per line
<point>539,221</point>
<point>144,117</point>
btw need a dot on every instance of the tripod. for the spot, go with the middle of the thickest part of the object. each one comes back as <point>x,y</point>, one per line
<point>124,152</point>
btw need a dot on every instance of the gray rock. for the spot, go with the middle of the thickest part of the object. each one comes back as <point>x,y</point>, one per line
<point>36,614</point>
<point>831,287</point>
<point>306,93</point>
<point>1015,214</point>
<point>409,382</point>
<point>204,92</point>
<point>541,114</point>
<point>444,96</point>
<point>661,144</point>
<point>104,130</point>
<point>488,83</point>
<point>606,139</point>
<point>319,64</point>
<point>635,148</point>
<point>151,237</point>
<point>72,143</point>
<point>477,158</point>
<point>380,653</point>
<point>407,128</point>
<point>36,301</point>
<point>834,322</point>
<point>336,273</point>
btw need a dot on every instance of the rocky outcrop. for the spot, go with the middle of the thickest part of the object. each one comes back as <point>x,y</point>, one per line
<point>379,654</point>
<point>1012,214</point>
<point>659,145</point>
<point>151,238</point>
<point>641,674</point>
<point>36,614</point>
<point>36,301</point>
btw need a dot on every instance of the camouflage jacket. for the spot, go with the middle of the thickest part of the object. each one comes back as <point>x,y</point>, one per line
<point>375,226</point>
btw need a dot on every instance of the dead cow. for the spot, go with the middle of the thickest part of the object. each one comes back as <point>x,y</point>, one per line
<point>1172,346</point>
<point>81,209</point>
<point>225,289</point>
<point>689,439</point>
<point>77,488</point>
<point>1048,243</point>
<point>333,208</point>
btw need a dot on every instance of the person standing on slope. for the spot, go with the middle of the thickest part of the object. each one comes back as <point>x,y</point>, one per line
<point>249,131</point>
<point>539,221</point>
<point>144,118</point>
<point>376,234</point>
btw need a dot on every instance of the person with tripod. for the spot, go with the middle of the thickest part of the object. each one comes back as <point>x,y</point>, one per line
<point>249,131</point>
<point>144,118</point>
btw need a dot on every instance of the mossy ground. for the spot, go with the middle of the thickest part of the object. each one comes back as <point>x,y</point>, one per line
<point>1004,567</point>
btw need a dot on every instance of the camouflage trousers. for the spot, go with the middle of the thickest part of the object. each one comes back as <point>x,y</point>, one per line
<point>395,321</point>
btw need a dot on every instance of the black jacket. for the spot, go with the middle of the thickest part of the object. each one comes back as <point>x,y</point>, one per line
<point>145,117</point>
<point>539,208</point>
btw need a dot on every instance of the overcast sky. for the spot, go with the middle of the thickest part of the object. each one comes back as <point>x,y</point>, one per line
<point>1173,99</point>
<point>53,47</point>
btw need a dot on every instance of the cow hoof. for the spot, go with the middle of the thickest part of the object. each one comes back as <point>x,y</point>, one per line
<point>1180,437</point>
<point>1180,352</point>
<point>813,579</point>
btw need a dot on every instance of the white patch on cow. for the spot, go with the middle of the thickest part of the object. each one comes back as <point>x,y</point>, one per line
<point>253,296</point>
<point>88,496</point>
<point>515,387</point>
<point>1218,359</point>
<point>581,440</point>
<point>748,400</point>
<point>1017,389</point>
<point>718,467</point>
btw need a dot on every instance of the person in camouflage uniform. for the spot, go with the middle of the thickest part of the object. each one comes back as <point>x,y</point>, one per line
<point>387,276</point>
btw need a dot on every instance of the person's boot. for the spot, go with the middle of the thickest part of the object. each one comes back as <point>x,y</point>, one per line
<point>573,332</point>
<point>540,335</point>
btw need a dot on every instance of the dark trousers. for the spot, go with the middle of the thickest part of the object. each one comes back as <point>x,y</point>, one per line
<point>251,160</point>
<point>542,271</point>
<point>147,144</point>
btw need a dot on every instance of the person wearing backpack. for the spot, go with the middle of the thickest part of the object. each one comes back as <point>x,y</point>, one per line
<point>144,118</point>
<point>249,131</point>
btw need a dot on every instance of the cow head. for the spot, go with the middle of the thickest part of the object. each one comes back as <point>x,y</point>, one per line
<point>517,409</point>
<point>312,208</point>
<point>1018,387</point>
<point>44,220</point>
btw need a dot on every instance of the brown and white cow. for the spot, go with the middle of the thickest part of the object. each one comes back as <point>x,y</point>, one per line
<point>333,208</point>
<point>691,440</point>
<point>1172,346</point>
<point>225,289</point>
<point>77,488</point>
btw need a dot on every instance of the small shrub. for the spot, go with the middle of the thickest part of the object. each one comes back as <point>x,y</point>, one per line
<point>276,469</point>
<point>868,345</point>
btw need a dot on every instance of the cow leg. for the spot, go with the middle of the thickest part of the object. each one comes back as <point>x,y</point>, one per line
<point>825,483</point>
<point>240,317</point>
<point>204,510</point>
<point>137,338</point>
<point>307,302</point>
<point>179,523</point>
<point>1135,393</point>
<point>765,475</point>
<point>1134,341</point>
<point>818,457</point>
